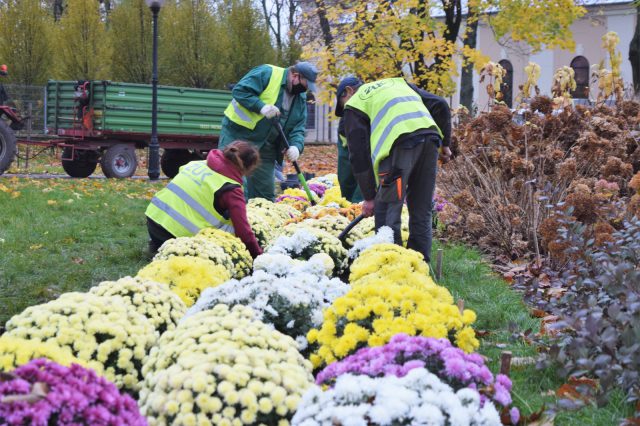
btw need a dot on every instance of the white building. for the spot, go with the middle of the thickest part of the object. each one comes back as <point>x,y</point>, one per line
<point>602,16</point>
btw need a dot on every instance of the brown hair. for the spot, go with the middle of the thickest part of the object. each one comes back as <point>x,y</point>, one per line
<point>244,155</point>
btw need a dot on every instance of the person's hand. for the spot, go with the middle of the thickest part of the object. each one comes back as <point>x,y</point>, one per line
<point>445,154</point>
<point>270,111</point>
<point>292,154</point>
<point>367,207</point>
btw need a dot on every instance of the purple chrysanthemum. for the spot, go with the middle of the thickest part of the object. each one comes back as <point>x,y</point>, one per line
<point>404,353</point>
<point>290,197</point>
<point>318,188</point>
<point>42,392</point>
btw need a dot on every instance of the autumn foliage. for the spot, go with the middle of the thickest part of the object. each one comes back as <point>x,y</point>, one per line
<point>507,177</point>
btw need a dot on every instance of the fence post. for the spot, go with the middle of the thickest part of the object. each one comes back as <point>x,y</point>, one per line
<point>29,130</point>
<point>439,264</point>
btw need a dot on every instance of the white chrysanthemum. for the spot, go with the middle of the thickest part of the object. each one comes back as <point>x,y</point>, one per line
<point>154,300</point>
<point>419,398</point>
<point>291,302</point>
<point>96,329</point>
<point>384,235</point>
<point>222,366</point>
<point>302,242</point>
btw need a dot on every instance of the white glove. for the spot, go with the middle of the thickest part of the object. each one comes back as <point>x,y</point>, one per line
<point>292,154</point>
<point>270,111</point>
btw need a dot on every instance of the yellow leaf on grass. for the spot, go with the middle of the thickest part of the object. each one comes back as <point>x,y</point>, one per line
<point>4,188</point>
<point>51,202</point>
<point>35,246</point>
<point>15,194</point>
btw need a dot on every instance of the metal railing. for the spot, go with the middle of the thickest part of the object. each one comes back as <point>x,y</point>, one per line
<point>30,101</point>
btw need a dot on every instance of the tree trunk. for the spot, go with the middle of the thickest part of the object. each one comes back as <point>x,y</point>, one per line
<point>324,23</point>
<point>466,79</point>
<point>453,19</point>
<point>634,54</point>
<point>58,8</point>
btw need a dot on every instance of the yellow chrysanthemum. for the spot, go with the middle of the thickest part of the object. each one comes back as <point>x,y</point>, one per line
<point>370,314</point>
<point>233,246</point>
<point>186,276</point>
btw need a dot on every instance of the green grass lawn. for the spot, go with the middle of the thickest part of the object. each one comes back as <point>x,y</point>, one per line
<point>60,235</point>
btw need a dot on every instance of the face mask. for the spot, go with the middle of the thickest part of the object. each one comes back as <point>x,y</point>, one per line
<point>296,89</point>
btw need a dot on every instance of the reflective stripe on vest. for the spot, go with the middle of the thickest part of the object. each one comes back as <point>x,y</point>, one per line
<point>186,205</point>
<point>249,119</point>
<point>394,109</point>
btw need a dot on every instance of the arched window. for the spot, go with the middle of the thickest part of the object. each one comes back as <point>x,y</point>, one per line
<point>507,83</point>
<point>580,66</point>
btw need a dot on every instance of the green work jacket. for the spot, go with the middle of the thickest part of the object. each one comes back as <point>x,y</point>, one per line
<point>247,93</point>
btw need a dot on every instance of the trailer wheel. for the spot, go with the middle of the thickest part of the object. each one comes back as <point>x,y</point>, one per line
<point>173,159</point>
<point>119,161</point>
<point>82,165</point>
<point>7,146</point>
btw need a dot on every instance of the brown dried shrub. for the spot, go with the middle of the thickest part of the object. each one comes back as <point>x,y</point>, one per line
<point>582,157</point>
<point>584,205</point>
<point>634,183</point>
<point>603,231</point>
<point>567,169</point>
<point>634,205</point>
<point>630,108</point>
<point>543,104</point>
<point>615,169</point>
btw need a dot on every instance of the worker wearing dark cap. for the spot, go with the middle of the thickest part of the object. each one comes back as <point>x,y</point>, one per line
<point>265,93</point>
<point>395,133</point>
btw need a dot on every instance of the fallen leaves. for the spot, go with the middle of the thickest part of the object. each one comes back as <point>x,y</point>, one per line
<point>316,159</point>
<point>577,393</point>
<point>35,246</point>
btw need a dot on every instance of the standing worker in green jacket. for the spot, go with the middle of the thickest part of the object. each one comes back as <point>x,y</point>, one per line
<point>268,92</point>
<point>348,185</point>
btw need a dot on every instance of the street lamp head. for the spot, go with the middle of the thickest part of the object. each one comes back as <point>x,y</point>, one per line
<point>155,4</point>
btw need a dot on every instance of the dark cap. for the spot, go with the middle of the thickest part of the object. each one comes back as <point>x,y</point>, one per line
<point>344,83</point>
<point>309,72</point>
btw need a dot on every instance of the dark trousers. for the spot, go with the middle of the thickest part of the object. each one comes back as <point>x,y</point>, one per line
<point>157,235</point>
<point>348,184</point>
<point>409,173</point>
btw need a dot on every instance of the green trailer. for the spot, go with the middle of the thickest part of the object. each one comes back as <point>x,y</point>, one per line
<point>106,121</point>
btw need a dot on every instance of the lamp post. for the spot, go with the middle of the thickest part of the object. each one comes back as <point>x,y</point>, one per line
<point>154,146</point>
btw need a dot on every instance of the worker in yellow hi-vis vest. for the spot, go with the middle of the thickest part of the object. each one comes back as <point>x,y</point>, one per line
<point>206,194</point>
<point>394,143</point>
<point>265,93</point>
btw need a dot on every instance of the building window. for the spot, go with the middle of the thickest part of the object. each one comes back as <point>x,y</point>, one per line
<point>580,67</point>
<point>507,83</point>
<point>311,112</point>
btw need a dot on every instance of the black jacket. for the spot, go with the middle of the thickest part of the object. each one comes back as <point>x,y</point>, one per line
<point>357,129</point>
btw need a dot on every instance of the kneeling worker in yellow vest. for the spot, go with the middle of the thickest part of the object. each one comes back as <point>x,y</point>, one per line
<point>264,94</point>
<point>393,145</point>
<point>206,194</point>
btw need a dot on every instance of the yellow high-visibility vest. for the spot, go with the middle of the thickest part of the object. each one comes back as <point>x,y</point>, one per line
<point>186,205</point>
<point>394,109</point>
<point>249,119</point>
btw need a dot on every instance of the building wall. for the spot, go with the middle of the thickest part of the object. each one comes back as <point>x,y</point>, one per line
<point>322,128</point>
<point>587,33</point>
